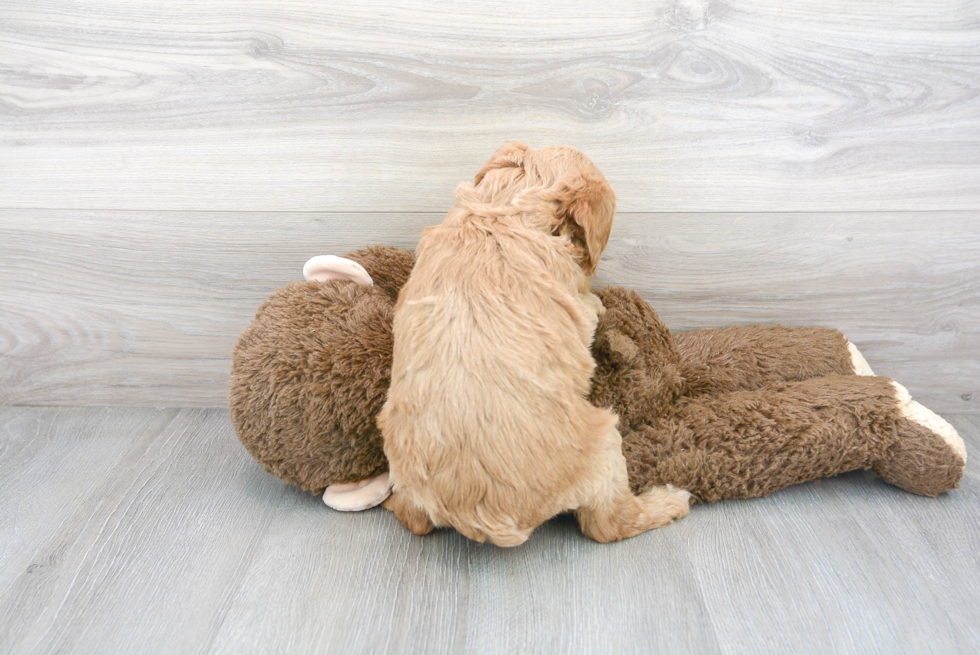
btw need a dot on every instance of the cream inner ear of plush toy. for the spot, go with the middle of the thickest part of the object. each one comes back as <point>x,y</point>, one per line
<point>330,267</point>
<point>357,496</point>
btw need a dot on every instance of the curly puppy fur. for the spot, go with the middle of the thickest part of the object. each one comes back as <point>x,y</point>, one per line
<point>486,425</point>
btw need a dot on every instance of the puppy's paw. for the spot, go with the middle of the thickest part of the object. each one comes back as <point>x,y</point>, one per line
<point>664,504</point>
<point>680,500</point>
<point>410,516</point>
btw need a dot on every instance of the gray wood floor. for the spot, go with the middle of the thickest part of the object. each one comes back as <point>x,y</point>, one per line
<point>151,530</point>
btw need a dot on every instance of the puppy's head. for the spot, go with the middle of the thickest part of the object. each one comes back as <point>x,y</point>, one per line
<point>559,181</point>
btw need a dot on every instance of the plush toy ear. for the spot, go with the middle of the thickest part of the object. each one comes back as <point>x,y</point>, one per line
<point>622,349</point>
<point>585,205</point>
<point>330,267</point>
<point>509,155</point>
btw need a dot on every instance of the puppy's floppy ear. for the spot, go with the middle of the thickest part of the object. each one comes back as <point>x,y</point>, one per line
<point>509,155</point>
<point>585,205</point>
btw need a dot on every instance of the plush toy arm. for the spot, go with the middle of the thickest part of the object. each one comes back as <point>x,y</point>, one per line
<point>745,358</point>
<point>750,443</point>
<point>358,496</point>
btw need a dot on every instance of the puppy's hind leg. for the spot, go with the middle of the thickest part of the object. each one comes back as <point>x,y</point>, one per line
<point>613,513</point>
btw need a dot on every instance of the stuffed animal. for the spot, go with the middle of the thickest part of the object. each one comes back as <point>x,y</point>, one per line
<point>724,413</point>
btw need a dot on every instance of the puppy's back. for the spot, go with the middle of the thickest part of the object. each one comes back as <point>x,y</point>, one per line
<point>486,424</point>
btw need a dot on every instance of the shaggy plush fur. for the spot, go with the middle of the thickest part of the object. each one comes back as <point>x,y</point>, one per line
<point>730,413</point>
<point>311,373</point>
<point>733,358</point>
<point>746,443</point>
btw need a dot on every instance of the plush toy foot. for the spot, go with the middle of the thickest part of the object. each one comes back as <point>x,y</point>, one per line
<point>357,496</point>
<point>928,457</point>
<point>858,361</point>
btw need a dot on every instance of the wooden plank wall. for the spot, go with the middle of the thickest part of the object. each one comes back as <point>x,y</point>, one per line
<point>164,166</point>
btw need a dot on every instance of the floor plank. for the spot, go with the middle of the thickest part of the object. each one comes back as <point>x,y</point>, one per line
<point>385,106</point>
<point>144,308</point>
<point>149,560</point>
<point>839,576</point>
<point>53,464</point>
<point>147,530</point>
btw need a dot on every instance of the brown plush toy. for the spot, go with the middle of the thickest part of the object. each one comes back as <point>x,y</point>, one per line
<point>724,413</point>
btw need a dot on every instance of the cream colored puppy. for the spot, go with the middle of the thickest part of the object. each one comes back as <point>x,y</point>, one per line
<point>486,426</point>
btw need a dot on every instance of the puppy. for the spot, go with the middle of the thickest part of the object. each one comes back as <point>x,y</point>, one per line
<point>486,427</point>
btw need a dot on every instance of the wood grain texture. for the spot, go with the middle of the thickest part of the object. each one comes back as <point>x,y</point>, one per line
<point>52,466</point>
<point>145,530</point>
<point>903,287</point>
<point>145,559</point>
<point>143,308</point>
<point>688,105</point>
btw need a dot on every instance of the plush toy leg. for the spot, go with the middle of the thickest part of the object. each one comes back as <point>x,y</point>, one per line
<point>750,443</point>
<point>746,358</point>
<point>928,456</point>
